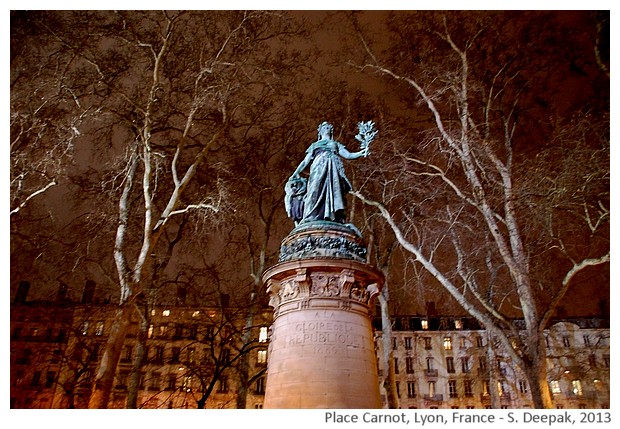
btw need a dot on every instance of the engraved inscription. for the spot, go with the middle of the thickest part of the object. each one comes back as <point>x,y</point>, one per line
<point>324,331</point>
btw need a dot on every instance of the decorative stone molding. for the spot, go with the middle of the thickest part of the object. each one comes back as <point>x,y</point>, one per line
<point>315,283</point>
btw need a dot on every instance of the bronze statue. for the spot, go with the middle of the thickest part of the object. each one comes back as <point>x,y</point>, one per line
<point>322,197</point>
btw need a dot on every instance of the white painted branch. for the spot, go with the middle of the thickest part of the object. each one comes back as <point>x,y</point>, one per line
<point>31,196</point>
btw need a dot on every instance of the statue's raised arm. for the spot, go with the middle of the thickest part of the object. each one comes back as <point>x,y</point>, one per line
<point>322,196</point>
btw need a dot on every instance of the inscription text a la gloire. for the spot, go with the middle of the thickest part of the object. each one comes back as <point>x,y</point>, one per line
<point>324,330</point>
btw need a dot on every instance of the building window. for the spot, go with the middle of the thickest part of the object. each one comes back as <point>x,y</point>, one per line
<point>447,343</point>
<point>555,386</point>
<point>409,364</point>
<point>263,334</point>
<point>576,388</point>
<point>172,382</point>
<point>482,363</point>
<point>162,330</point>
<point>547,342</point>
<point>84,328</point>
<point>395,365</point>
<point>50,377</point>
<point>411,389</point>
<point>99,328</point>
<point>159,354</point>
<point>431,388</point>
<point>450,364</point>
<point>165,313</point>
<point>155,381</point>
<point>196,313</point>
<point>176,353</point>
<point>56,356</point>
<point>226,355</point>
<point>223,384</point>
<point>566,341</point>
<point>18,378</point>
<point>261,357</point>
<point>94,353</point>
<point>606,361</point>
<point>394,344</point>
<point>468,388</point>
<point>408,343</point>
<point>178,331</point>
<point>424,324</point>
<point>465,364</point>
<point>427,343</point>
<point>191,355</point>
<point>260,386</point>
<point>452,389</point>
<point>429,364</point>
<point>209,332</point>
<point>36,378</point>
<point>523,386</point>
<point>486,387</point>
<point>24,359</point>
<point>586,340</point>
<point>462,343</point>
<point>127,354</point>
<point>501,388</point>
<point>500,368</point>
<point>122,380</point>
<point>458,324</point>
<point>592,360</point>
<point>16,334</point>
<point>193,332</point>
<point>398,389</point>
<point>149,333</point>
<point>479,342</point>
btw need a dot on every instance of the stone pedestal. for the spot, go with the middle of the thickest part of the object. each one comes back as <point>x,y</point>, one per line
<point>322,353</point>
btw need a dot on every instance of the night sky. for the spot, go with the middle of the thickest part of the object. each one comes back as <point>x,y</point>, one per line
<point>575,86</point>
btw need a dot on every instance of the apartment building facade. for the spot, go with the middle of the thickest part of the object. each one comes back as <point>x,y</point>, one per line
<point>203,356</point>
<point>449,362</point>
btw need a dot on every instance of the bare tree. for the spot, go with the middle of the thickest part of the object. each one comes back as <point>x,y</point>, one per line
<point>169,90</point>
<point>463,221</point>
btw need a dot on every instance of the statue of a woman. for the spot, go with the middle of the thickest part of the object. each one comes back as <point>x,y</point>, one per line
<point>327,184</point>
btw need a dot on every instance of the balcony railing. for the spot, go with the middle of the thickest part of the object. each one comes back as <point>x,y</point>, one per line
<point>431,373</point>
<point>436,398</point>
<point>485,397</point>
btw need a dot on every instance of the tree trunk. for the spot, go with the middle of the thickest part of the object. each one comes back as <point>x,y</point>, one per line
<point>493,373</point>
<point>536,373</point>
<point>388,351</point>
<point>104,380</point>
<point>138,362</point>
<point>244,366</point>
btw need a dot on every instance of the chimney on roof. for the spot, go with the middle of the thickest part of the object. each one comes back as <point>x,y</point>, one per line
<point>89,292</point>
<point>22,292</point>
<point>61,295</point>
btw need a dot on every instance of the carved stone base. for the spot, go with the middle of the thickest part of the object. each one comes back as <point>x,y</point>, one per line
<point>321,353</point>
<point>323,239</point>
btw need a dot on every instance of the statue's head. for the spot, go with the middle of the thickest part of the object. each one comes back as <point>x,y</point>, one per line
<point>325,128</point>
